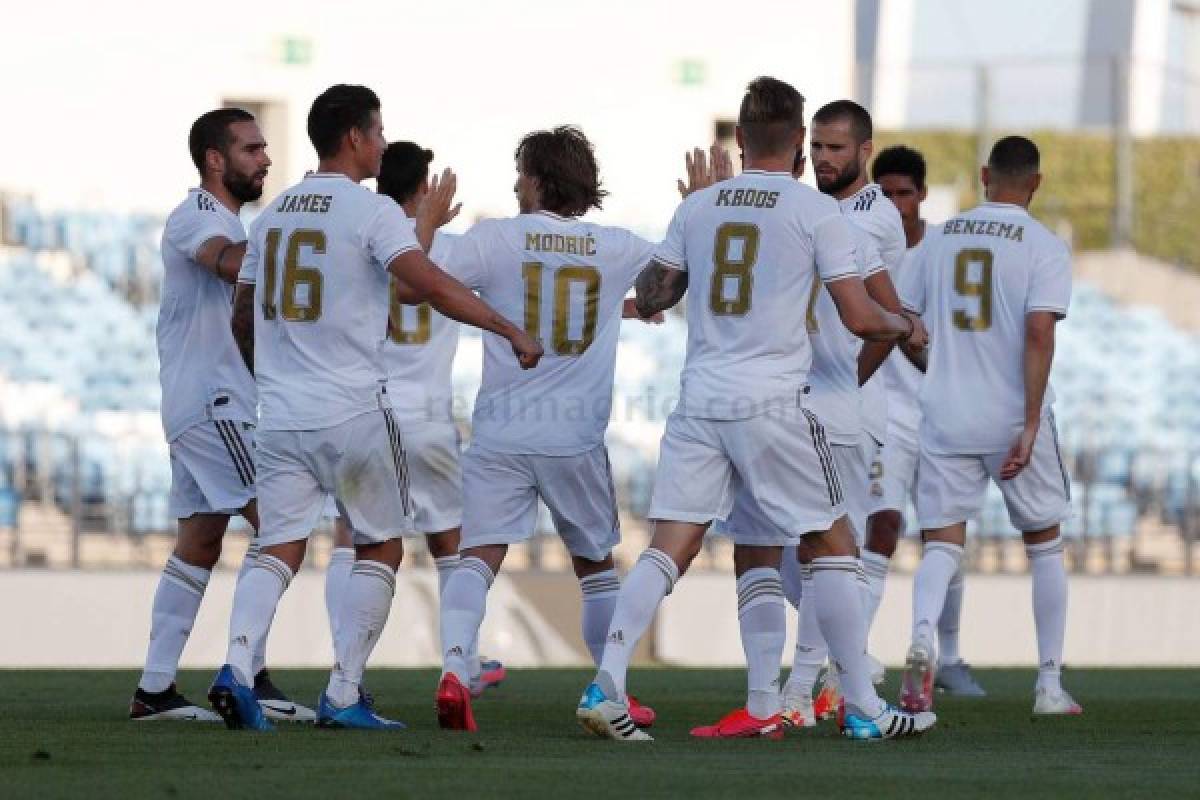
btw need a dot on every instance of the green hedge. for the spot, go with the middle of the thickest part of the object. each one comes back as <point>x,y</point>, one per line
<point>1078,189</point>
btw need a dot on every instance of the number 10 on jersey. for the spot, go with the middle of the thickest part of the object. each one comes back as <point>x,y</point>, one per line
<point>564,279</point>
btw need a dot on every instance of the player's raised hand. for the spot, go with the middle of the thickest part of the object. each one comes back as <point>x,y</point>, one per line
<point>527,349</point>
<point>1018,457</point>
<point>720,163</point>
<point>705,170</point>
<point>435,208</point>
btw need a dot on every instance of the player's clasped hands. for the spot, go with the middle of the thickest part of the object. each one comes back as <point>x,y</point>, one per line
<point>918,340</point>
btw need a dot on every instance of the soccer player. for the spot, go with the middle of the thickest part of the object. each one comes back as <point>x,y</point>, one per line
<point>857,420</point>
<point>420,357</point>
<point>541,434</point>
<point>900,173</point>
<point>752,246</point>
<point>208,403</point>
<point>991,283</point>
<point>310,315</point>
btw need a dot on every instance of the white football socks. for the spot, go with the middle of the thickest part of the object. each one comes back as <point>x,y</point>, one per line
<point>254,603</point>
<point>651,579</point>
<point>600,592</point>
<point>337,576</point>
<point>464,602</point>
<point>1049,574</point>
<point>259,661</point>
<point>811,650</point>
<point>839,609</point>
<point>947,626</point>
<point>876,568</point>
<point>445,568</point>
<point>363,615</point>
<point>176,601</point>
<point>938,567</point>
<point>789,572</point>
<point>762,622</point>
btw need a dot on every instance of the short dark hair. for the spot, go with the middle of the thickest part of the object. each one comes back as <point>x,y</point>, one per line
<point>771,113</point>
<point>337,110</point>
<point>900,160</point>
<point>210,131</point>
<point>564,163</point>
<point>1014,157</point>
<point>405,167</point>
<point>861,127</point>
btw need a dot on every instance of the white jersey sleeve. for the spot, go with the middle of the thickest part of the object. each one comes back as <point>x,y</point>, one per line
<point>467,260</point>
<point>672,251</point>
<point>834,246</point>
<point>388,233</point>
<point>1050,287</point>
<point>199,219</point>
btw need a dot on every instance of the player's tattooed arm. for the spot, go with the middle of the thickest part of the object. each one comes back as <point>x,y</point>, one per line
<point>659,287</point>
<point>243,322</point>
<point>222,257</point>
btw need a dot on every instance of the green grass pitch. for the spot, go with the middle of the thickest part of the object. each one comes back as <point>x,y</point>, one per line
<point>63,734</point>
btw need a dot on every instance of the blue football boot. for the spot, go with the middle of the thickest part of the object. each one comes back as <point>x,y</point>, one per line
<point>360,716</point>
<point>237,704</point>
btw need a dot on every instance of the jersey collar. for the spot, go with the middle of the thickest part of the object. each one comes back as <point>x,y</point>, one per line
<point>765,172</point>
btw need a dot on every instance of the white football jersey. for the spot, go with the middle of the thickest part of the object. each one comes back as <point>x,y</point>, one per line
<point>318,257</point>
<point>974,278</point>
<point>752,246</point>
<point>564,281</point>
<point>200,366</point>
<point>900,377</point>
<point>869,210</point>
<point>420,352</point>
<point>835,396</point>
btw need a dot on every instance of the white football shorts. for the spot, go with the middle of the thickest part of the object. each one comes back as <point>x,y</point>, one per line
<point>747,524</point>
<point>434,476</point>
<point>501,492</point>
<point>894,474</point>
<point>781,460</point>
<point>951,488</point>
<point>212,469</point>
<point>361,462</point>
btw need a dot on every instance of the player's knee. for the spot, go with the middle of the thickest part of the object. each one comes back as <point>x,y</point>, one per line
<point>883,532</point>
<point>584,567</point>
<point>748,557</point>
<point>443,544</point>
<point>390,552</point>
